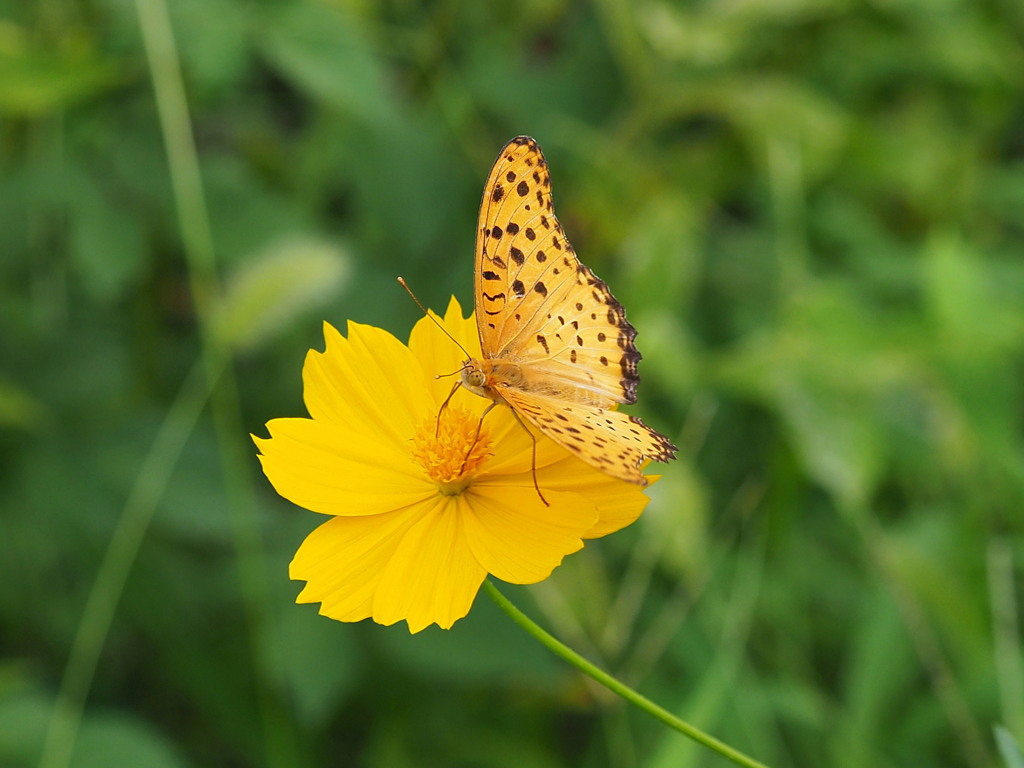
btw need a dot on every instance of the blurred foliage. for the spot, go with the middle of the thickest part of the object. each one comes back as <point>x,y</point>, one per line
<point>814,213</point>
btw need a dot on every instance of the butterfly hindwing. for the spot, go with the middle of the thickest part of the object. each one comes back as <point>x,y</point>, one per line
<point>611,441</point>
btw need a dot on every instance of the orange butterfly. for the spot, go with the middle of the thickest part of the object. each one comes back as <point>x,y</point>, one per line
<point>557,347</point>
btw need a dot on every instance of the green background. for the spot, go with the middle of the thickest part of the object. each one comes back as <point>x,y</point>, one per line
<point>813,211</point>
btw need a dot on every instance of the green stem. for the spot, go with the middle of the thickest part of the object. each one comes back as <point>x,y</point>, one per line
<point>614,685</point>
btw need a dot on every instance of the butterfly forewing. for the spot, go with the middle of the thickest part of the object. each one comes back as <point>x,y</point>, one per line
<point>535,301</point>
<point>538,307</point>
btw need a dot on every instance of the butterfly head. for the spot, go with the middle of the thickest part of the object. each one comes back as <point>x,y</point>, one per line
<point>489,378</point>
<point>474,378</point>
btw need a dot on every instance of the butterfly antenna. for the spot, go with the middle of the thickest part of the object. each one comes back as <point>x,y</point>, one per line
<point>453,373</point>
<point>433,319</point>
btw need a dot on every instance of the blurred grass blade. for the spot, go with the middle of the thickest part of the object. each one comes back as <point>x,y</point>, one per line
<point>1009,656</point>
<point>94,626</point>
<point>1009,749</point>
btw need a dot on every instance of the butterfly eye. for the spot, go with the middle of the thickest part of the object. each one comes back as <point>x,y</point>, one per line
<point>472,376</point>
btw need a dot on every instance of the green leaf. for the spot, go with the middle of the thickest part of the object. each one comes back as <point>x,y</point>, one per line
<point>18,408</point>
<point>312,660</point>
<point>103,740</point>
<point>120,739</point>
<point>214,41</point>
<point>971,311</point>
<point>483,648</point>
<point>37,79</point>
<point>106,247</point>
<point>270,289</point>
<point>678,518</point>
<point>324,53</point>
<point>25,716</point>
<point>823,371</point>
<point>836,438</point>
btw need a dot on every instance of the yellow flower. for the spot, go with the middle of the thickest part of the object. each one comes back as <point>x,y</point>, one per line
<point>419,513</point>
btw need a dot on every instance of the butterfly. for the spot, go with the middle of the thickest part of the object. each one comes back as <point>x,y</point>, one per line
<point>557,348</point>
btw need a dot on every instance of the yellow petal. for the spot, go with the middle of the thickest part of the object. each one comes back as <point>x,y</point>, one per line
<point>515,537</point>
<point>513,448</point>
<point>432,577</point>
<point>439,355</point>
<point>368,380</point>
<point>343,560</point>
<point>617,509</point>
<point>317,465</point>
<point>618,503</point>
<point>462,328</point>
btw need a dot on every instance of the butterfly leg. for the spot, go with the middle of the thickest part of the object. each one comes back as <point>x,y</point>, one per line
<point>479,426</point>
<point>437,426</point>
<point>533,458</point>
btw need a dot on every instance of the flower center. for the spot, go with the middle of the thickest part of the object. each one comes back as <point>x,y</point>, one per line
<point>449,450</point>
